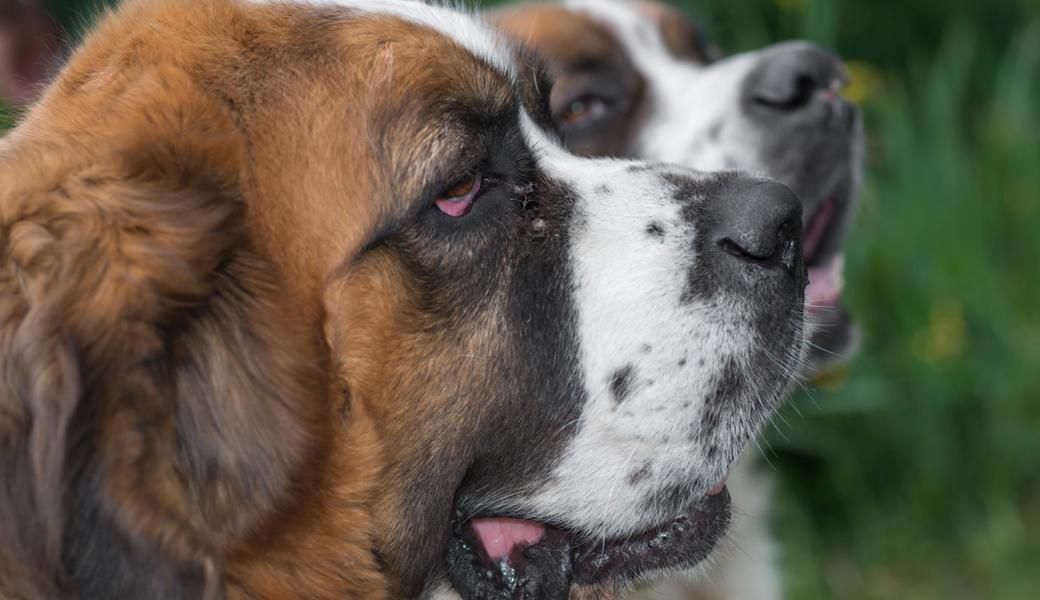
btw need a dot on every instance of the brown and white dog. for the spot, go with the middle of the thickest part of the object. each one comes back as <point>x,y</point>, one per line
<point>298,299</point>
<point>641,80</point>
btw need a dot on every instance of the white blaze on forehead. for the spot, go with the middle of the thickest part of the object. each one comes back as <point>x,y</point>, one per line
<point>633,324</point>
<point>458,23</point>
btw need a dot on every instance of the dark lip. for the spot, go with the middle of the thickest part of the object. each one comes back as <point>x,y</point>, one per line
<point>833,343</point>
<point>835,143</point>
<point>828,247</point>
<point>557,563</point>
<point>681,543</point>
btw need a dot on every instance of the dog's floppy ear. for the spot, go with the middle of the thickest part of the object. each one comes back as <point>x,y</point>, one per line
<point>683,35</point>
<point>155,398</point>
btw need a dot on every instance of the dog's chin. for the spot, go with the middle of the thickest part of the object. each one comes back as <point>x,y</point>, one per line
<point>499,557</point>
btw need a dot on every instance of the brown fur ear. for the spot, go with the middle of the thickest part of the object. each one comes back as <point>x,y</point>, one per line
<point>682,34</point>
<point>104,249</point>
<point>156,398</point>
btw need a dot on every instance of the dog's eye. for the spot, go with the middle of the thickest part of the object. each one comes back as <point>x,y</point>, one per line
<point>584,109</point>
<point>457,200</point>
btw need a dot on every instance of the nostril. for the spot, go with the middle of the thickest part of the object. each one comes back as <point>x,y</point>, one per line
<point>748,253</point>
<point>756,223</point>
<point>791,95</point>
<point>789,242</point>
<point>790,76</point>
<point>764,249</point>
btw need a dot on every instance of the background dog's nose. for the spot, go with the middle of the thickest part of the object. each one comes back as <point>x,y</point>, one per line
<point>756,222</point>
<point>790,75</point>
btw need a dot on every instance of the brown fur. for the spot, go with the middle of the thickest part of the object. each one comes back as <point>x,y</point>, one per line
<point>570,37</point>
<point>392,352</point>
<point>169,217</point>
<point>682,34</point>
<point>552,30</point>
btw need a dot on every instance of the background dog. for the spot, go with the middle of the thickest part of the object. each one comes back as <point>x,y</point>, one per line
<point>640,79</point>
<point>299,299</point>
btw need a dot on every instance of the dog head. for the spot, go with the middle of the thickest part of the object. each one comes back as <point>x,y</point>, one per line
<point>286,282</point>
<point>641,80</point>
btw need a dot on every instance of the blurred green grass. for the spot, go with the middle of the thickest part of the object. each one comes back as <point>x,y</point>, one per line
<point>6,117</point>
<point>917,475</point>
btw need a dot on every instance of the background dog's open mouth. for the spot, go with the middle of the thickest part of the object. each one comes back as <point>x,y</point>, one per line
<point>825,273</point>
<point>505,557</point>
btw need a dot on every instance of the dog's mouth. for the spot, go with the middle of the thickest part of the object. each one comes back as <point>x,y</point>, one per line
<point>499,557</point>
<point>826,267</point>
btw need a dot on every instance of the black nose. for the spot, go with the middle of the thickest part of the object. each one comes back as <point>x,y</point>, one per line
<point>790,76</point>
<point>756,222</point>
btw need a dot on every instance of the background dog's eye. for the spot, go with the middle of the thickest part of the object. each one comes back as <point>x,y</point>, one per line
<point>457,200</point>
<point>583,110</point>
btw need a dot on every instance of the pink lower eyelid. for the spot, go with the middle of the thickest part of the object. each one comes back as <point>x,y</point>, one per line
<point>457,207</point>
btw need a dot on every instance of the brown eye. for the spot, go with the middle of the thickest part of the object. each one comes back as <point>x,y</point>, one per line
<point>462,188</point>
<point>457,200</point>
<point>581,110</point>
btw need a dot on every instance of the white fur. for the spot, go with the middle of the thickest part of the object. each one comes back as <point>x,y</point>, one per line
<point>628,289</point>
<point>688,100</point>
<point>441,590</point>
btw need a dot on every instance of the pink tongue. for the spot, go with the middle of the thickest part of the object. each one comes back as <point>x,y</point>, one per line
<point>825,284</point>
<point>500,535</point>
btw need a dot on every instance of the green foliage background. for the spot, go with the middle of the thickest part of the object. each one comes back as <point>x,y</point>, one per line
<point>916,474</point>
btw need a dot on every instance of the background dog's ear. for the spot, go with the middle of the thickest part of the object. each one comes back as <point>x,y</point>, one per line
<point>155,397</point>
<point>683,35</point>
